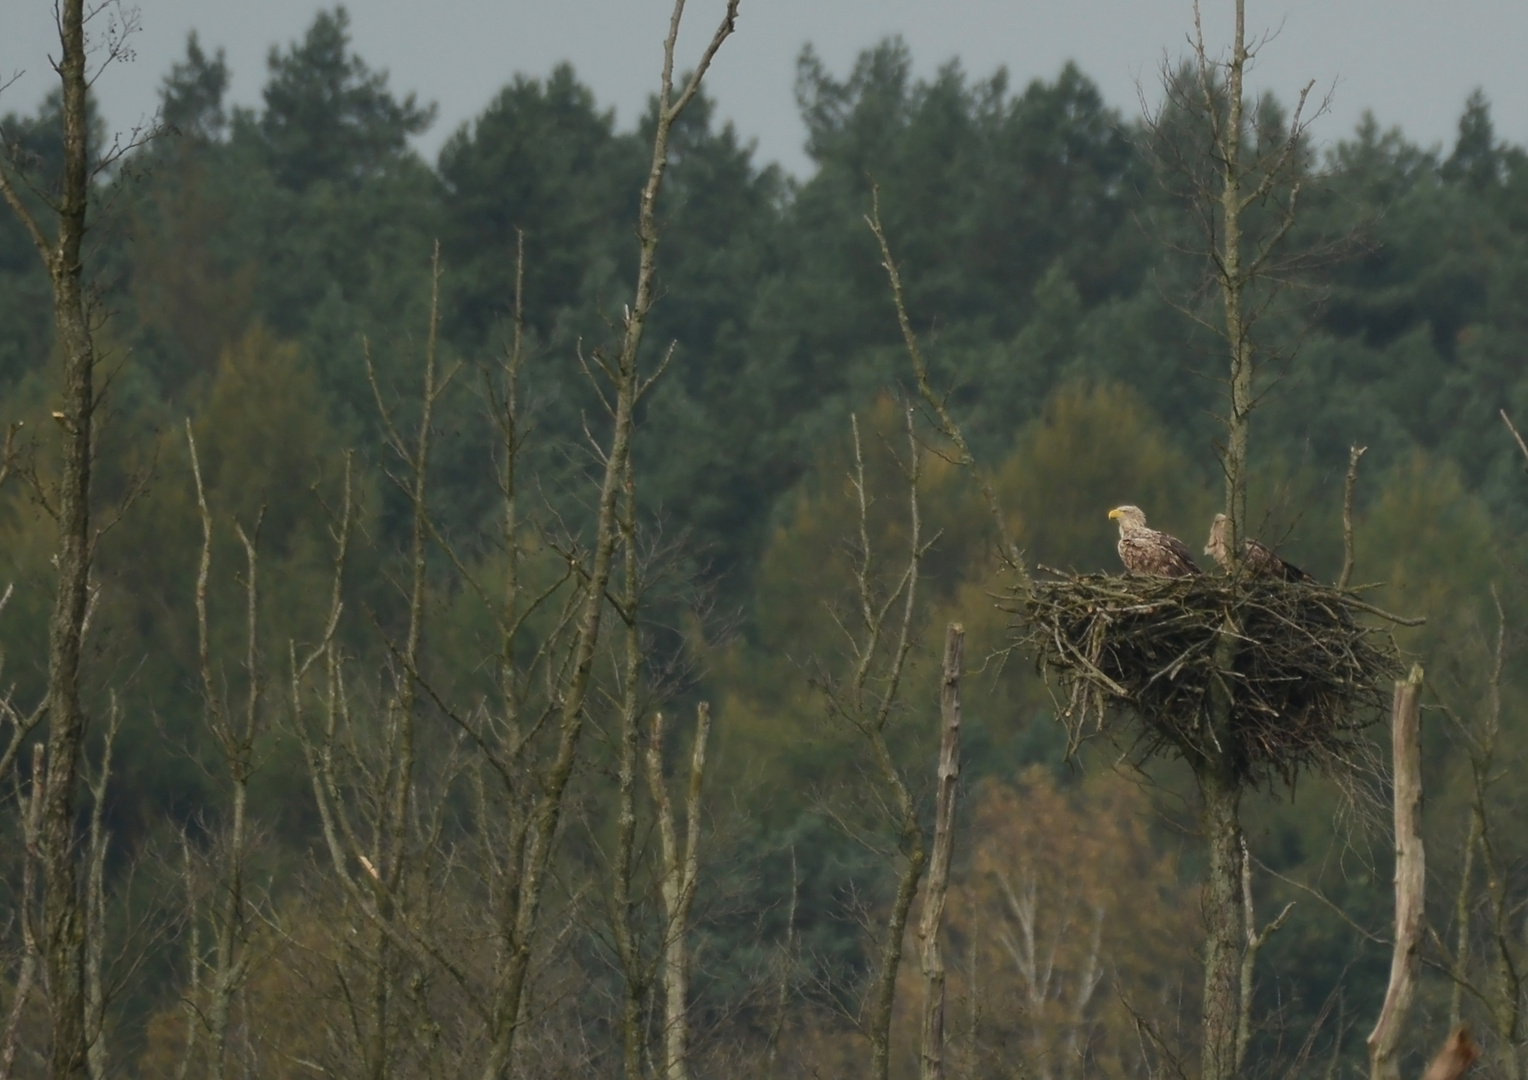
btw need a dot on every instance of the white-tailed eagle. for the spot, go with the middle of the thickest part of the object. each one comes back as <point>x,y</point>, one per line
<point>1150,551</point>
<point>1259,559</point>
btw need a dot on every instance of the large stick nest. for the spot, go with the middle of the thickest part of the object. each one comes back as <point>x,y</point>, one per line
<point>1142,657</point>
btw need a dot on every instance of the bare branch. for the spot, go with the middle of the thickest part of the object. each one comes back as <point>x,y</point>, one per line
<point>1521,445</point>
<point>679,876</point>
<point>13,199</point>
<point>1351,482</point>
<point>1256,939</point>
<point>946,424</point>
<point>31,827</point>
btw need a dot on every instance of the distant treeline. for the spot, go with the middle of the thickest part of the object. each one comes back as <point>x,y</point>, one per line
<point>266,274</point>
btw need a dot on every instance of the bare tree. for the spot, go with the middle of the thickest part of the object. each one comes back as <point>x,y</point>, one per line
<point>881,634</point>
<point>1410,878</point>
<point>629,387</point>
<point>943,421</point>
<point>1500,990</point>
<point>931,919</point>
<point>1251,168</point>
<point>1257,938</point>
<point>430,904</point>
<point>679,877</point>
<point>31,803</point>
<point>623,902</point>
<point>1034,955</point>
<point>234,729</point>
<point>53,214</point>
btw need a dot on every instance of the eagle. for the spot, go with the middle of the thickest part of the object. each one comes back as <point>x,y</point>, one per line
<point>1259,559</point>
<point>1150,551</point>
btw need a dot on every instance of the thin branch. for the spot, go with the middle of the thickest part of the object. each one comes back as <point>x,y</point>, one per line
<point>944,421</point>
<point>1256,939</point>
<point>1349,484</point>
<point>1521,445</point>
<point>13,199</point>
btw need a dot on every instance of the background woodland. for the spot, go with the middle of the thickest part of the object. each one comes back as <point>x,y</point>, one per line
<point>343,327</point>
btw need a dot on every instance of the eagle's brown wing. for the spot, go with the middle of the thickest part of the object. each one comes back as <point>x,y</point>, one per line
<point>1266,563</point>
<point>1183,555</point>
<point>1149,551</point>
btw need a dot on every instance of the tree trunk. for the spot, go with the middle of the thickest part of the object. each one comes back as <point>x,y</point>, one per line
<point>680,873</point>
<point>1233,284</point>
<point>932,916</point>
<point>1220,818</point>
<point>541,835</point>
<point>1410,878</point>
<point>63,915</point>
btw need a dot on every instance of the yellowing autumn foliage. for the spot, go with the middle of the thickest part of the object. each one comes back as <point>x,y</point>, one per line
<point>1070,935</point>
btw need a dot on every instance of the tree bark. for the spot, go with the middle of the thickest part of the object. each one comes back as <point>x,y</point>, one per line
<point>1410,877</point>
<point>547,813</point>
<point>64,929</point>
<point>681,872</point>
<point>235,737</point>
<point>1233,285</point>
<point>623,907</point>
<point>1220,817</point>
<point>932,916</point>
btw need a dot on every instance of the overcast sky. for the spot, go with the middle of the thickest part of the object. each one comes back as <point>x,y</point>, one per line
<point>1413,62</point>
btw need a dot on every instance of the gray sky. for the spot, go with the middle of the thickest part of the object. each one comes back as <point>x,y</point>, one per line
<point>1412,62</point>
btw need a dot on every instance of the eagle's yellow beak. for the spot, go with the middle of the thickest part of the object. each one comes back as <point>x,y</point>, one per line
<point>1114,513</point>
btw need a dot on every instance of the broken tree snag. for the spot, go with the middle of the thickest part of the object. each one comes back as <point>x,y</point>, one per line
<point>932,916</point>
<point>1410,877</point>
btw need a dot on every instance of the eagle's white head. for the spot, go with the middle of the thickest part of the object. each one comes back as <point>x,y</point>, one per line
<point>1129,517</point>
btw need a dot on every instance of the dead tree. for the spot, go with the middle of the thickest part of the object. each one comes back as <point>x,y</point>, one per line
<point>1499,991</point>
<point>676,863</point>
<point>54,215</point>
<point>679,875</point>
<point>30,803</point>
<point>943,421</point>
<point>364,781</point>
<point>1257,937</point>
<point>215,980</point>
<point>880,628</point>
<point>1249,169</point>
<point>516,755</point>
<point>629,388</point>
<point>1410,878</point>
<point>931,919</point>
<point>623,902</point>
<point>63,936</point>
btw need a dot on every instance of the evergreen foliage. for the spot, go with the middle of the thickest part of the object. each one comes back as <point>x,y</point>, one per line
<point>259,247</point>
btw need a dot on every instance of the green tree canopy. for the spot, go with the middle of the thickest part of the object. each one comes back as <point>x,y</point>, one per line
<point>328,116</point>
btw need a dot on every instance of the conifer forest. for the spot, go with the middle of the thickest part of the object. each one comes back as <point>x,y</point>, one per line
<point>593,604</point>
